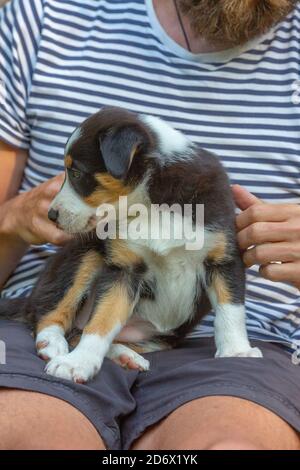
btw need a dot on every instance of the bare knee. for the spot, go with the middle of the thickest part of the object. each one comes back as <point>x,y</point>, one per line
<point>233,444</point>
<point>219,423</point>
<point>32,420</point>
<point>157,438</point>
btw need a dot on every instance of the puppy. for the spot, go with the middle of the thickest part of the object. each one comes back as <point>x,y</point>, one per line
<point>142,293</point>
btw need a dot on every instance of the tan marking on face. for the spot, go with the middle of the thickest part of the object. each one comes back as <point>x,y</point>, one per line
<point>68,161</point>
<point>113,309</point>
<point>109,190</point>
<point>121,255</point>
<point>63,315</point>
<point>218,253</point>
<point>133,153</point>
<point>221,289</point>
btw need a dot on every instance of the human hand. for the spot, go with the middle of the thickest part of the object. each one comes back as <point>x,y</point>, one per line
<point>270,234</point>
<point>28,215</point>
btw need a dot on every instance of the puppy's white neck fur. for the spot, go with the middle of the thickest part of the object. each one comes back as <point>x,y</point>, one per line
<point>170,140</point>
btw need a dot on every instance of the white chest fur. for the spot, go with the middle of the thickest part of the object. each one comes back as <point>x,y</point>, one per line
<point>177,275</point>
<point>175,272</point>
<point>175,284</point>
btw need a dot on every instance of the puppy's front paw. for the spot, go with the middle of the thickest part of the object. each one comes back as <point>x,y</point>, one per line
<point>247,352</point>
<point>127,357</point>
<point>73,367</point>
<point>50,342</point>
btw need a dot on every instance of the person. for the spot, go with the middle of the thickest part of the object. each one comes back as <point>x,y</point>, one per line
<point>227,74</point>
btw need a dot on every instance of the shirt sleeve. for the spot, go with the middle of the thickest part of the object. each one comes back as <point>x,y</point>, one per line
<point>20,31</point>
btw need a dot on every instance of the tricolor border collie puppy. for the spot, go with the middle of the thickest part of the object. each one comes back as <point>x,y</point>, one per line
<point>141,294</point>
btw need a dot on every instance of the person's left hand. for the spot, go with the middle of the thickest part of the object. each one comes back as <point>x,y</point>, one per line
<point>273,233</point>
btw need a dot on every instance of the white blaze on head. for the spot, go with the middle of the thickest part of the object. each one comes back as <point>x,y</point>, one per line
<point>72,139</point>
<point>74,214</point>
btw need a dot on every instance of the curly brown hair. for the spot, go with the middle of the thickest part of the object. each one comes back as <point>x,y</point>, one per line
<point>234,22</point>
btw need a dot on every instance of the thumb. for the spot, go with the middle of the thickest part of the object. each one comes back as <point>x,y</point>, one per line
<point>243,198</point>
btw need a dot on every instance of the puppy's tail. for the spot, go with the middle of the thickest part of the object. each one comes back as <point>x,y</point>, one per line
<point>13,309</point>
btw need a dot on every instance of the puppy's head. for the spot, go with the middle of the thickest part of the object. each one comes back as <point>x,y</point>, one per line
<point>105,158</point>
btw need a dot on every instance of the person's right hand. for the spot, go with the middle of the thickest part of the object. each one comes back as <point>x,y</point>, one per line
<point>28,215</point>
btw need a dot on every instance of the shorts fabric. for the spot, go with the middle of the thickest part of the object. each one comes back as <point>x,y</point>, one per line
<point>122,404</point>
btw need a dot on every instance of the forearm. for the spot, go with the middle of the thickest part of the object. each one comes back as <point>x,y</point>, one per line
<point>12,246</point>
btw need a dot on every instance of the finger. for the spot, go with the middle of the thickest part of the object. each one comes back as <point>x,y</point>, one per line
<point>57,236</point>
<point>54,185</point>
<point>43,208</point>
<point>47,232</point>
<point>261,232</point>
<point>270,252</point>
<point>243,198</point>
<point>267,213</point>
<point>285,272</point>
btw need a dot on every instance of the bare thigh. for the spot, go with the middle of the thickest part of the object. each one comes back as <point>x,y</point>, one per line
<point>220,423</point>
<point>32,420</point>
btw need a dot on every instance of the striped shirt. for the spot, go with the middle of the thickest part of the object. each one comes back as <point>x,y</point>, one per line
<point>61,60</point>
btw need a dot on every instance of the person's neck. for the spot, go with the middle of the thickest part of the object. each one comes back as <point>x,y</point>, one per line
<point>167,16</point>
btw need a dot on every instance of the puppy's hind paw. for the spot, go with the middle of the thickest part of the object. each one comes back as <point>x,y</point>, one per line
<point>248,352</point>
<point>127,358</point>
<point>251,352</point>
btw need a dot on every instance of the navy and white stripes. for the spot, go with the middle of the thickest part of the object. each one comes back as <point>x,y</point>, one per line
<point>61,60</point>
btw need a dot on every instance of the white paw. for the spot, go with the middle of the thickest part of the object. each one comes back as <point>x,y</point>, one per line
<point>247,352</point>
<point>127,358</point>
<point>51,342</point>
<point>74,366</point>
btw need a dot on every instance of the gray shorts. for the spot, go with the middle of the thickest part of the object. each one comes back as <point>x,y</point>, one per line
<point>121,404</point>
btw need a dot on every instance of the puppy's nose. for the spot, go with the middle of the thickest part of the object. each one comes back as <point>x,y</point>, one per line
<point>53,215</point>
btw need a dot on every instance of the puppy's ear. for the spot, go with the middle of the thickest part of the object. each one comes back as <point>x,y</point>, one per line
<point>118,148</point>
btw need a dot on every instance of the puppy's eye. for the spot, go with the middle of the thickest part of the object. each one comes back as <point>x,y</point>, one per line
<point>75,173</point>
